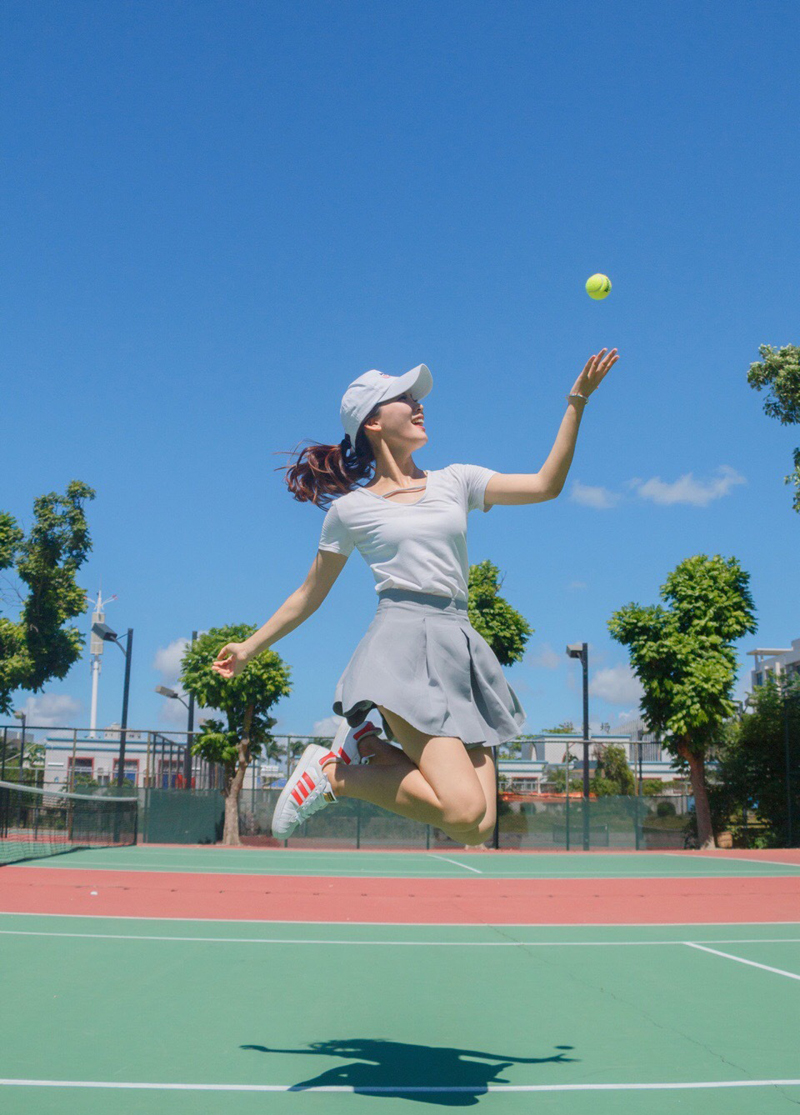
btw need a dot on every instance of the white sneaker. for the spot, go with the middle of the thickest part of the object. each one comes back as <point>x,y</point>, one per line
<point>345,742</point>
<point>306,791</point>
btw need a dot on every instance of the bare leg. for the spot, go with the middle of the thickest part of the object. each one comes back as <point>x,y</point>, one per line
<point>393,782</point>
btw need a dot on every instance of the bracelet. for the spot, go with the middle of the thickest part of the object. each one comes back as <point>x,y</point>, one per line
<point>578,396</point>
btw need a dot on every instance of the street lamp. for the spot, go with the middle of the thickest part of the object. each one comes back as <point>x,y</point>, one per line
<point>581,651</point>
<point>187,763</point>
<point>20,715</point>
<point>103,631</point>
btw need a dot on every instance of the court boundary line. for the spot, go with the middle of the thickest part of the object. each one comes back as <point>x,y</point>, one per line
<point>738,859</point>
<point>153,869</point>
<point>389,1089</point>
<point>741,960</point>
<point>435,855</point>
<point>425,944</point>
<point>407,924</point>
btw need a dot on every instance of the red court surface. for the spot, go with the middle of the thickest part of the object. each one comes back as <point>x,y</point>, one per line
<point>468,901</point>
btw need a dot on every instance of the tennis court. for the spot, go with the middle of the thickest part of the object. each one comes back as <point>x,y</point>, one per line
<point>174,979</point>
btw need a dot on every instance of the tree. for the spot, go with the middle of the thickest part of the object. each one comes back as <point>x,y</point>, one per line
<point>557,778</point>
<point>780,372</point>
<point>245,701</point>
<point>37,647</point>
<point>612,774</point>
<point>565,728</point>
<point>503,628</point>
<point>684,659</point>
<point>752,763</point>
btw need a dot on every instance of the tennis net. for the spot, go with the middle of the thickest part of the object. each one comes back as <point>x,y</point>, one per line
<point>36,822</point>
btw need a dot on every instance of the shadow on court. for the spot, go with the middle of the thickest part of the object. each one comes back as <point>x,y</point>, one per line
<point>394,1068</point>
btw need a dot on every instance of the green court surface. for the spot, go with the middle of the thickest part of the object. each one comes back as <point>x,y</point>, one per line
<point>449,864</point>
<point>179,1016</point>
<point>232,1016</point>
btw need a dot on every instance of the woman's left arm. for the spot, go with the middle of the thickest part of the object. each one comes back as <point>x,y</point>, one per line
<point>554,471</point>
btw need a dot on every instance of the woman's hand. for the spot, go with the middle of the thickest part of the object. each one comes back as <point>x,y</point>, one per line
<point>231,660</point>
<point>591,376</point>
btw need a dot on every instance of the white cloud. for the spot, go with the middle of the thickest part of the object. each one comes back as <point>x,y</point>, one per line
<point>599,498</point>
<point>50,710</point>
<point>686,489</point>
<point>329,725</point>
<point>168,660</point>
<point>545,658</point>
<point>577,584</point>
<point>617,684</point>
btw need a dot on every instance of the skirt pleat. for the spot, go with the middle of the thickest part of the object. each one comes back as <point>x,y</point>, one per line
<point>422,658</point>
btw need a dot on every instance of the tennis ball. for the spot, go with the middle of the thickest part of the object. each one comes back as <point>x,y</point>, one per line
<point>598,286</point>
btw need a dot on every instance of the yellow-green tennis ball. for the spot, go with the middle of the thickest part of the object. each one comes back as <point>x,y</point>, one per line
<point>598,286</point>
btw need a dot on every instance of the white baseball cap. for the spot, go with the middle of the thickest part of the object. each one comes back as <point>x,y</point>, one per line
<point>374,387</point>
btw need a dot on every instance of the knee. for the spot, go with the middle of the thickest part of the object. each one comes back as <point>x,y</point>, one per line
<point>465,815</point>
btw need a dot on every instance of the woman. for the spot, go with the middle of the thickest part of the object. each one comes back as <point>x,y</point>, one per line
<point>435,682</point>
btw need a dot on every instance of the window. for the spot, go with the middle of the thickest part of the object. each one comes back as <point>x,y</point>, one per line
<point>131,771</point>
<point>170,773</point>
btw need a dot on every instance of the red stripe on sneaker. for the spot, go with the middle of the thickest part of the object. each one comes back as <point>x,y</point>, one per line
<point>297,797</point>
<point>309,781</point>
<point>343,755</point>
<point>368,727</point>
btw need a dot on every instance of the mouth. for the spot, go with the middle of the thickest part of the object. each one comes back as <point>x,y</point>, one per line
<point>418,422</point>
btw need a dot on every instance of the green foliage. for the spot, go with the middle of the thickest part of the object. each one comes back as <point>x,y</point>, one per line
<point>603,787</point>
<point>37,647</point>
<point>503,628</point>
<point>652,787</point>
<point>751,771</point>
<point>683,655</point>
<point>244,700</point>
<point>557,779</point>
<point>566,728</point>
<point>780,373</point>
<point>612,775</point>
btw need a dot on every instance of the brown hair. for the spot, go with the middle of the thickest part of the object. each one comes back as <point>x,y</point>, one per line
<point>323,471</point>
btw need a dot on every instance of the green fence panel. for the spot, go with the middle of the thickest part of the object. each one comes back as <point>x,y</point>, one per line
<point>181,816</point>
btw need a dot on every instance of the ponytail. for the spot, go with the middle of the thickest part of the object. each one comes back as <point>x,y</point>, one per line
<point>323,471</point>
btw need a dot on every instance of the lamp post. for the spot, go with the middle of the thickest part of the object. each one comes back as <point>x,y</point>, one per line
<point>581,651</point>
<point>20,715</point>
<point>785,712</point>
<point>103,631</point>
<point>187,759</point>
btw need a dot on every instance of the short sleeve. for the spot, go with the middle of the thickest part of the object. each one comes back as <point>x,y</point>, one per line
<point>335,536</point>
<point>474,479</point>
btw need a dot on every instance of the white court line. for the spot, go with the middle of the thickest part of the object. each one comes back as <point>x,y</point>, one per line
<point>752,963</point>
<point>389,1089</point>
<point>740,859</point>
<point>455,861</point>
<point>404,924</point>
<point>295,873</point>
<point>394,944</point>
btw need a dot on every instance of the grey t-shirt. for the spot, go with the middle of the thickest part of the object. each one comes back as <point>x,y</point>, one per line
<point>420,546</point>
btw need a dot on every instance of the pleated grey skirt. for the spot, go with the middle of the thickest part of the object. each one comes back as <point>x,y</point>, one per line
<point>423,659</point>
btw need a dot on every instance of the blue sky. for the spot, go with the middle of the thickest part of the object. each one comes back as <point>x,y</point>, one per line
<point>217,215</point>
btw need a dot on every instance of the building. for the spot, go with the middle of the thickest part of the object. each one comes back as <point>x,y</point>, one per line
<point>775,661</point>
<point>542,753</point>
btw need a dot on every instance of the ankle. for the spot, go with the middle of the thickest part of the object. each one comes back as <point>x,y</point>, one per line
<point>376,749</point>
<point>331,769</point>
